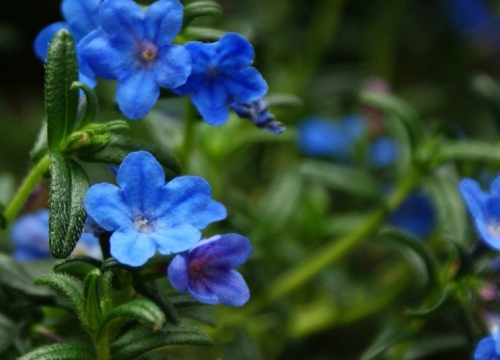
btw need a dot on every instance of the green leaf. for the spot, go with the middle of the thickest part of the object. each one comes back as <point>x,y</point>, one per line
<point>68,287</point>
<point>61,100</point>
<point>77,265</point>
<point>354,181</point>
<point>68,185</point>
<point>61,351</point>
<point>8,333</point>
<point>120,146</point>
<point>391,335</point>
<point>141,310</point>
<point>151,291</point>
<point>451,212</point>
<point>92,303</point>
<point>409,241</point>
<point>139,341</point>
<point>90,106</point>
<point>202,34</point>
<point>198,9</point>
<point>405,151</point>
<point>443,303</point>
<point>469,150</point>
<point>14,276</point>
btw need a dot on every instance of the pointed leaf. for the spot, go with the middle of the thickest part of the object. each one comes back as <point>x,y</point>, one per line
<point>443,303</point>
<point>66,265</point>
<point>143,311</point>
<point>68,185</point>
<point>61,351</point>
<point>90,104</point>
<point>343,178</point>
<point>200,8</point>
<point>391,335</point>
<point>450,209</point>
<point>139,341</point>
<point>469,150</point>
<point>151,291</point>
<point>68,287</point>
<point>61,101</point>
<point>92,303</point>
<point>14,276</point>
<point>8,333</point>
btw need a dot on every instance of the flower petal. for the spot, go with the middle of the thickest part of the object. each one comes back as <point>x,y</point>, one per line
<point>175,239</point>
<point>173,66</point>
<point>223,251</point>
<point>474,197</point>
<point>235,52</point>
<point>212,101</point>
<point>215,211</point>
<point>495,187</point>
<point>185,199</point>
<point>42,41</point>
<point>132,247</point>
<point>201,292</point>
<point>141,178</point>
<point>488,234</point>
<point>485,350</point>
<point>82,15</point>
<point>137,93</point>
<point>105,204</point>
<point>122,20</point>
<point>245,85</point>
<point>229,286</point>
<point>164,20</point>
<point>178,273</point>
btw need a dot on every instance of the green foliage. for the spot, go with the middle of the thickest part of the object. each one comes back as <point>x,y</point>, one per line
<point>63,351</point>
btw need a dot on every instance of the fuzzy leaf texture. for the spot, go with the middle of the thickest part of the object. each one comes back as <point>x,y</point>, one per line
<point>68,185</point>
<point>200,8</point>
<point>61,100</point>
<point>61,351</point>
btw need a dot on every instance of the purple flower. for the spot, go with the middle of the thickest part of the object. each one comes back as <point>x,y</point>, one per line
<point>222,75</point>
<point>258,112</point>
<point>146,214</point>
<point>207,270</point>
<point>81,19</point>
<point>134,47</point>
<point>30,236</point>
<point>485,209</point>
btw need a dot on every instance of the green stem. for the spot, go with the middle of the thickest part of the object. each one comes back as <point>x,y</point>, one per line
<point>26,188</point>
<point>334,250</point>
<point>187,145</point>
<point>102,346</point>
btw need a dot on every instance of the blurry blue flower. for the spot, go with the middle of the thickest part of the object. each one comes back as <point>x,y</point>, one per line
<point>134,47</point>
<point>30,236</point>
<point>485,209</point>
<point>206,271</point>
<point>383,152</point>
<point>81,18</point>
<point>415,215</point>
<point>146,214</point>
<point>258,112</point>
<point>324,138</point>
<point>471,16</point>
<point>487,349</point>
<point>222,75</point>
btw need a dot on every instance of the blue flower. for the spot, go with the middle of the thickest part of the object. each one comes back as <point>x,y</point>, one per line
<point>320,137</point>
<point>383,152</point>
<point>146,214</point>
<point>30,236</point>
<point>485,209</point>
<point>487,349</point>
<point>134,47</point>
<point>206,271</point>
<point>222,75</point>
<point>258,112</point>
<point>472,16</point>
<point>415,215</point>
<point>81,19</point>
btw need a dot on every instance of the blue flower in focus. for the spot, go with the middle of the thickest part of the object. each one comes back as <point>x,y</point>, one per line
<point>258,112</point>
<point>222,75</point>
<point>485,209</point>
<point>81,19</point>
<point>135,48</point>
<point>30,236</point>
<point>383,152</point>
<point>146,214</point>
<point>489,347</point>
<point>415,215</point>
<point>207,270</point>
<point>324,138</point>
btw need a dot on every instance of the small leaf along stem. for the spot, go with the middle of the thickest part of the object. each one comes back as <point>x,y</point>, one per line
<point>29,183</point>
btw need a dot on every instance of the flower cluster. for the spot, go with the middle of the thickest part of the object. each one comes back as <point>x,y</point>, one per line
<point>119,40</point>
<point>146,215</point>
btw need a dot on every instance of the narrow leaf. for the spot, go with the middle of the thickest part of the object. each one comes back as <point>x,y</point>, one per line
<point>8,333</point>
<point>143,311</point>
<point>151,291</point>
<point>391,335</point>
<point>61,100</point>
<point>343,178</point>
<point>65,264</point>
<point>90,104</point>
<point>443,302</point>
<point>469,150</point>
<point>61,351</point>
<point>68,287</point>
<point>68,185</point>
<point>92,303</point>
<point>139,341</point>
<point>450,209</point>
<point>200,8</point>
